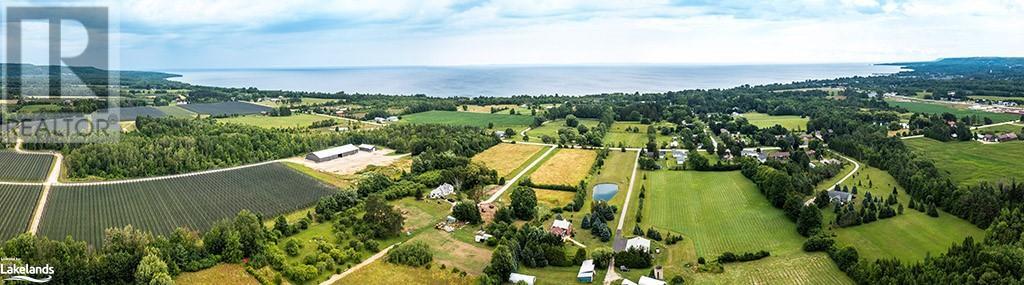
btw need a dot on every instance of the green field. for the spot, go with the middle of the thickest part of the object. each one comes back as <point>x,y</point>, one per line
<point>500,121</point>
<point>293,121</point>
<point>176,111</point>
<point>304,102</point>
<point>20,167</point>
<point>970,163</point>
<point>908,237</point>
<point>40,108</point>
<point>929,108</point>
<point>723,211</point>
<point>16,205</point>
<point>618,134</point>
<point>1001,129</point>
<point>508,159</point>
<point>551,128</point>
<point>160,206</point>
<point>767,121</point>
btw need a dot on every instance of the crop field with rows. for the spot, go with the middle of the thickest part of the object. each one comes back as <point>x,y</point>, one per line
<point>227,108</point>
<point>16,205</point>
<point>20,167</point>
<point>160,206</point>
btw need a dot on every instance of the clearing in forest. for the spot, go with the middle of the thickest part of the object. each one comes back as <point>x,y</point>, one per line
<point>762,120</point>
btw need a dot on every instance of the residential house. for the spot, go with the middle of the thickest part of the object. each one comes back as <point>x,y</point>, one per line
<point>1007,137</point>
<point>781,155</point>
<point>679,155</point>
<point>640,243</point>
<point>561,228</point>
<point>482,236</point>
<point>839,197</point>
<point>586,273</point>
<point>442,191</point>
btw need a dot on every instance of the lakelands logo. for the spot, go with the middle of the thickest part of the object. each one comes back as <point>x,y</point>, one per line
<point>22,272</point>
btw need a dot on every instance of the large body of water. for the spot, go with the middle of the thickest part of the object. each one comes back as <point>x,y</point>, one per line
<point>501,81</point>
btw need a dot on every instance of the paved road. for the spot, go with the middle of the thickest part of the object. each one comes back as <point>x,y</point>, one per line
<point>856,167</point>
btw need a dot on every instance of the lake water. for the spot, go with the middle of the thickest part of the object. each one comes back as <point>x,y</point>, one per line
<point>503,81</point>
<point>605,191</point>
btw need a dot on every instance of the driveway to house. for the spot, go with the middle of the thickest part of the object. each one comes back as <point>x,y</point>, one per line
<point>856,167</point>
<point>336,277</point>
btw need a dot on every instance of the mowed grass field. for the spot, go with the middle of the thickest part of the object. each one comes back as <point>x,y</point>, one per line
<point>1009,128</point>
<point>767,121</point>
<point>507,158</point>
<point>921,107</point>
<point>565,167</point>
<point>724,211</point>
<point>16,205</point>
<point>500,121</point>
<point>160,206</point>
<point>618,134</point>
<point>224,273</point>
<point>551,128</point>
<point>908,237</point>
<point>21,167</point>
<point>293,121</point>
<point>970,163</point>
<point>382,273</point>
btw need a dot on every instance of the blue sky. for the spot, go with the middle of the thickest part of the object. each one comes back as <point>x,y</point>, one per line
<point>160,35</point>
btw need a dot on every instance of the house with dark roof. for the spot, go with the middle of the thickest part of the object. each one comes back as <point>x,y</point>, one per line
<point>839,197</point>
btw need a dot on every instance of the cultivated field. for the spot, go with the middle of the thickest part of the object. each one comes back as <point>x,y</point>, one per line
<point>224,273</point>
<point>507,158</point>
<point>618,134</point>
<point>766,121</point>
<point>21,167</point>
<point>920,107</point>
<point>565,167</point>
<point>226,108</point>
<point>908,237</point>
<point>160,206</point>
<point>551,128</point>
<point>970,163</point>
<point>16,205</point>
<point>500,121</point>
<point>723,211</point>
<point>293,121</point>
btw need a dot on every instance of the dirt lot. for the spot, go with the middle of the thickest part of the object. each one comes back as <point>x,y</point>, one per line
<point>351,164</point>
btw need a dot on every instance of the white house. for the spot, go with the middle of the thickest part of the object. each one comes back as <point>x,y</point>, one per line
<point>482,236</point>
<point>516,278</point>
<point>442,191</point>
<point>644,280</point>
<point>639,242</point>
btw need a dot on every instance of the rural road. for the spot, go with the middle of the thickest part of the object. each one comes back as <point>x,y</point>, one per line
<point>856,167</point>
<point>510,182</point>
<point>51,179</point>
<point>375,257</point>
<point>629,193</point>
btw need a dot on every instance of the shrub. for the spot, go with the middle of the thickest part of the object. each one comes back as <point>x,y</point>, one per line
<point>728,257</point>
<point>414,254</point>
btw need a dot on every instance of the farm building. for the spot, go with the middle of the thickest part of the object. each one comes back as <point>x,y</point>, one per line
<point>644,280</point>
<point>839,197</point>
<point>586,273</point>
<point>442,191</point>
<point>482,236</point>
<point>561,228</point>
<point>392,119</point>
<point>515,278</point>
<point>1007,137</point>
<point>639,242</point>
<point>499,134</point>
<point>332,153</point>
<point>760,156</point>
<point>680,156</point>
<point>367,147</point>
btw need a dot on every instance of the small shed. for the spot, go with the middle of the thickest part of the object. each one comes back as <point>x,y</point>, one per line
<point>367,147</point>
<point>516,278</point>
<point>644,280</point>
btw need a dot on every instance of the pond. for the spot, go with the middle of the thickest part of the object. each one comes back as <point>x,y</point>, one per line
<point>605,191</point>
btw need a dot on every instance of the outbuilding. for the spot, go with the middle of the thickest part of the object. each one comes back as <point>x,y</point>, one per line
<point>639,243</point>
<point>644,280</point>
<point>516,278</point>
<point>332,153</point>
<point>442,191</point>
<point>367,147</point>
<point>586,273</point>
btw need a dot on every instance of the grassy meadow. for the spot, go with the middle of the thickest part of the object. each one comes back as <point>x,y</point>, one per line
<point>908,237</point>
<point>224,273</point>
<point>1001,129</point>
<point>930,108</point>
<point>724,211</point>
<point>618,134</point>
<point>970,163</point>
<point>500,121</point>
<point>293,121</point>
<point>382,273</point>
<point>551,128</point>
<point>565,167</point>
<point>766,121</point>
<point>508,158</point>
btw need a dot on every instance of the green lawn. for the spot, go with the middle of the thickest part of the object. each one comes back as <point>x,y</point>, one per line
<point>970,163</point>
<point>724,211</point>
<point>551,128</point>
<point>293,121</point>
<point>766,121</point>
<point>930,108</point>
<point>39,108</point>
<point>500,121</point>
<point>1001,129</point>
<point>908,237</point>
<point>618,134</point>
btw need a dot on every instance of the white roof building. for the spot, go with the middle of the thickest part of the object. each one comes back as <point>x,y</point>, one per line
<point>644,280</point>
<point>442,191</point>
<point>332,153</point>
<point>639,242</point>
<point>627,282</point>
<point>561,224</point>
<point>367,147</point>
<point>586,270</point>
<point>516,278</point>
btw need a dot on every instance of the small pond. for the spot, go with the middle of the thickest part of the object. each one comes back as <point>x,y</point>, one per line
<point>605,191</point>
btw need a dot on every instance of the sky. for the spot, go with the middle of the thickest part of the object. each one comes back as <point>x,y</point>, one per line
<point>186,34</point>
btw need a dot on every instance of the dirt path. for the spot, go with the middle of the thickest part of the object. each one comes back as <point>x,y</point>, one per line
<point>368,261</point>
<point>629,194</point>
<point>510,182</point>
<point>155,178</point>
<point>856,167</point>
<point>51,179</point>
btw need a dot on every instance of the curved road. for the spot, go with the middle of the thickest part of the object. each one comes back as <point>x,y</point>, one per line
<point>856,167</point>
